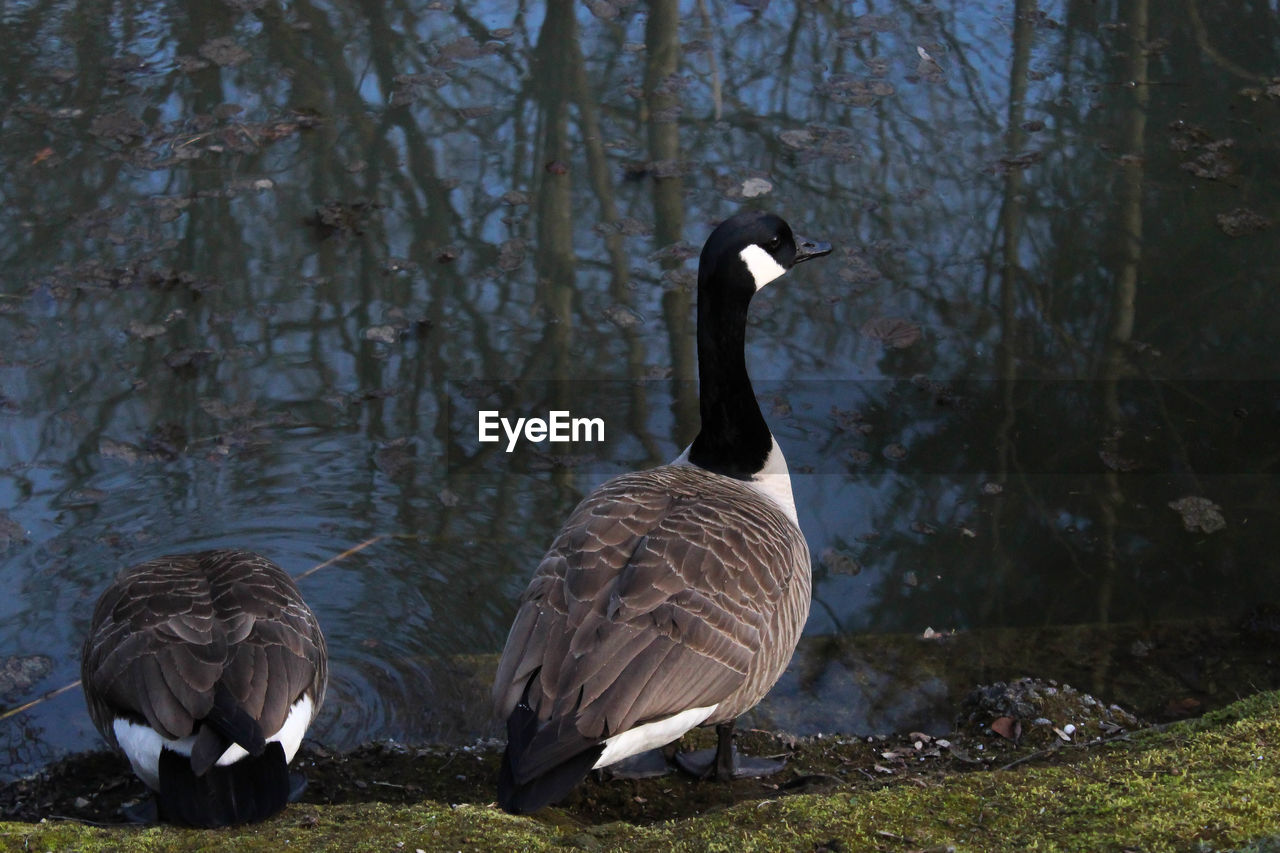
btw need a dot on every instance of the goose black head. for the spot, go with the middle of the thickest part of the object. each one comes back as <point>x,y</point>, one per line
<point>742,255</point>
<point>751,249</point>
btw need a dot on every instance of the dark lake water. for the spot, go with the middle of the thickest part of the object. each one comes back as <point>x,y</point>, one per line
<point>264,263</point>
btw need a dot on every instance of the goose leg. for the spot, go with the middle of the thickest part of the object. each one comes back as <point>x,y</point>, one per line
<point>725,762</point>
<point>297,785</point>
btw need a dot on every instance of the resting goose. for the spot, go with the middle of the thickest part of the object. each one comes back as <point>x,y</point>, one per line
<point>205,670</point>
<point>672,597</point>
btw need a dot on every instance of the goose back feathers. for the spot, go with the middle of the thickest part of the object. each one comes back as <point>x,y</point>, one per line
<point>672,597</point>
<point>205,670</point>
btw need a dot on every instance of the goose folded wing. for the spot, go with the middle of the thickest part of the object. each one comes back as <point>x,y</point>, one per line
<point>645,606</point>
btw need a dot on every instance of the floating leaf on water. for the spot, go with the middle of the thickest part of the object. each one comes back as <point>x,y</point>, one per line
<point>602,9</point>
<point>514,197</point>
<point>382,334</point>
<point>225,52</point>
<point>406,88</point>
<point>623,317</point>
<point>19,672</point>
<point>857,270</point>
<point>77,498</point>
<point>144,331</point>
<point>858,457</point>
<point>128,453</point>
<point>895,452</point>
<point>1199,514</point>
<point>839,563</point>
<point>892,331</point>
<point>185,362</point>
<point>395,457</point>
<point>345,218</point>
<point>856,91</point>
<point>798,139</point>
<point>511,254</point>
<point>10,532</point>
<point>1213,162</point>
<point>632,227</point>
<point>674,252</point>
<point>1242,222</point>
<point>990,488</point>
<point>681,279</point>
<point>847,420</point>
<point>448,498</point>
<point>190,64</point>
<point>910,578</point>
<point>1016,162</point>
<point>928,68</point>
<point>219,410</point>
<point>754,187</point>
<point>119,126</point>
<point>460,50</point>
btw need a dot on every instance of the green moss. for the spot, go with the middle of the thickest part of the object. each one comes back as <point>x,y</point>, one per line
<point>1208,784</point>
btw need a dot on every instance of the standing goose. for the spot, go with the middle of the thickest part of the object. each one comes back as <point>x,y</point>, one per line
<point>672,597</point>
<point>205,670</point>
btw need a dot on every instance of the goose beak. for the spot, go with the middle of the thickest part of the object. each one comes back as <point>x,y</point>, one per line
<point>806,249</point>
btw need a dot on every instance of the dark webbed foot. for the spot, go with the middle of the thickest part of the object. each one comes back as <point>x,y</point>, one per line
<point>725,762</point>
<point>646,765</point>
<point>145,812</point>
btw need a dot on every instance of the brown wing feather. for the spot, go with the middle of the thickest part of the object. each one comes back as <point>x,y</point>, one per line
<point>166,632</point>
<point>655,598</point>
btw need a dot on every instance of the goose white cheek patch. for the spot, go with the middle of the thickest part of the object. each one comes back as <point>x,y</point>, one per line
<point>763,267</point>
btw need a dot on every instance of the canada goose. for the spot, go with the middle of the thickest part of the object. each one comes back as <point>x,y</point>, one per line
<point>205,670</point>
<point>672,597</point>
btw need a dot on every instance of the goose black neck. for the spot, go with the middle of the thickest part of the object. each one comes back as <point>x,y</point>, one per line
<point>734,439</point>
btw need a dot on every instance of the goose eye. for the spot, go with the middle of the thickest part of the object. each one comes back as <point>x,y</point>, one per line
<point>773,243</point>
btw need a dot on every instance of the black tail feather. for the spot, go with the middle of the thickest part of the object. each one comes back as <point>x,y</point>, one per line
<point>251,789</point>
<point>226,723</point>
<point>523,797</point>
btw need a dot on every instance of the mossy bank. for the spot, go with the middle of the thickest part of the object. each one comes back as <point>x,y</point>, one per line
<point>1206,784</point>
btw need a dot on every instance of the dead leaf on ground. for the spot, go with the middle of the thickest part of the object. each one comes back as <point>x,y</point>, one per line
<point>1008,728</point>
